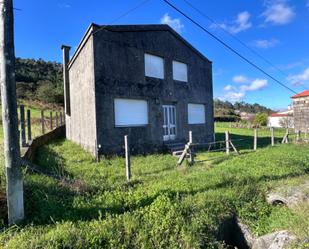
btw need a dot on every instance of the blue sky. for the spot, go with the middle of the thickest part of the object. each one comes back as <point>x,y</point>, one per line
<point>276,29</point>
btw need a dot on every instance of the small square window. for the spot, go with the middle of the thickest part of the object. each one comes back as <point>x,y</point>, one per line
<point>154,66</point>
<point>180,71</point>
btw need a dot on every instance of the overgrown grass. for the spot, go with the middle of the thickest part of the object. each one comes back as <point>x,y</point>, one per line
<point>162,206</point>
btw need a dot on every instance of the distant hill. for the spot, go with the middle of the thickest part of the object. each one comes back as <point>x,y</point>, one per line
<point>39,80</point>
<point>227,111</point>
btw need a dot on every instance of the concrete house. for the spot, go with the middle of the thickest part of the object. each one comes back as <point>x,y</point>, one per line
<point>144,81</point>
<point>301,111</point>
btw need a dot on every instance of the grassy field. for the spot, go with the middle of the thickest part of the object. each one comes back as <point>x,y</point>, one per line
<point>162,206</point>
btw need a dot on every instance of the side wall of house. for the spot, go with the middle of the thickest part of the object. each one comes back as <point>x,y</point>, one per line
<point>81,125</point>
<point>120,73</point>
<point>301,114</point>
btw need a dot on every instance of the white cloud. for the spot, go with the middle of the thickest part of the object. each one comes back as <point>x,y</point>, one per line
<point>241,23</point>
<point>278,12</point>
<point>174,23</point>
<point>235,94</point>
<point>240,79</point>
<point>265,43</point>
<point>257,84</point>
<point>227,88</point>
<point>300,79</point>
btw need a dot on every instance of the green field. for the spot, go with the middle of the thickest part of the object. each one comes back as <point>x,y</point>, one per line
<point>163,206</point>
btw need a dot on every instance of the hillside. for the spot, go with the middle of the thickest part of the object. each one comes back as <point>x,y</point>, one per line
<point>227,111</point>
<point>39,80</point>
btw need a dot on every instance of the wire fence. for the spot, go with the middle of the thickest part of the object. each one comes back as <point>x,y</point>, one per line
<point>231,144</point>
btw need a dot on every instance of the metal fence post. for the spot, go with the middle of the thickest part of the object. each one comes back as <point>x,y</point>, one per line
<point>127,153</point>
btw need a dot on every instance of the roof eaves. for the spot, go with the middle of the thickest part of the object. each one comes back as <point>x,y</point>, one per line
<point>81,44</point>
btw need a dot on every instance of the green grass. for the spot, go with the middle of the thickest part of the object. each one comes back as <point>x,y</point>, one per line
<point>162,206</point>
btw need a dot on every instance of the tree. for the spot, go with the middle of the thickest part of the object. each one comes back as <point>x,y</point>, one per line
<point>261,119</point>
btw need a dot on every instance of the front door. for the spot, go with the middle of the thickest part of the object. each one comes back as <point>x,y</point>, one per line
<point>169,122</point>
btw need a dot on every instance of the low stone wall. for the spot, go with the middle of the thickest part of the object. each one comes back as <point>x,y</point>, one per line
<point>59,132</point>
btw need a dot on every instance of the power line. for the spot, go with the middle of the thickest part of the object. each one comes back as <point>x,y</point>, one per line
<point>122,15</point>
<point>236,38</point>
<point>228,46</point>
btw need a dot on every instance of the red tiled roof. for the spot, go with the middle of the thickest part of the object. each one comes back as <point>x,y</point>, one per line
<point>302,94</point>
<point>280,115</point>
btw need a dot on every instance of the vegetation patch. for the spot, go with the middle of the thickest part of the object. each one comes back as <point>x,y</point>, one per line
<point>162,207</point>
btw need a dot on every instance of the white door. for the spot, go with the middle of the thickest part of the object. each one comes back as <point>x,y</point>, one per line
<point>169,122</point>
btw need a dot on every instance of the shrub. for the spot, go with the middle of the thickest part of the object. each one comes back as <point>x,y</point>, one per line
<point>49,93</point>
<point>261,119</point>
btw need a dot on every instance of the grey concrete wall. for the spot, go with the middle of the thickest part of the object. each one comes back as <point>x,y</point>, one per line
<point>81,124</point>
<point>301,114</point>
<point>119,72</point>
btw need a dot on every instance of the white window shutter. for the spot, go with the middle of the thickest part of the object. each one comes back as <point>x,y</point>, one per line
<point>154,66</point>
<point>180,71</point>
<point>196,114</point>
<point>131,112</point>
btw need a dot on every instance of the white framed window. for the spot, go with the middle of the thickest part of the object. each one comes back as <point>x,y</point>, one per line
<point>130,112</point>
<point>180,71</point>
<point>154,66</point>
<point>196,114</point>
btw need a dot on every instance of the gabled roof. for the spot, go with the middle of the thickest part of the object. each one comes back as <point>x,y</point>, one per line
<point>93,28</point>
<point>149,27</point>
<point>302,94</point>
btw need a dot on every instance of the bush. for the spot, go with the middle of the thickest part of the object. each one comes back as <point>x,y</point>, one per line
<point>25,90</point>
<point>261,119</point>
<point>49,93</point>
<point>227,118</point>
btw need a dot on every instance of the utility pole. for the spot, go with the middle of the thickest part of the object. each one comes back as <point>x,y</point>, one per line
<point>14,181</point>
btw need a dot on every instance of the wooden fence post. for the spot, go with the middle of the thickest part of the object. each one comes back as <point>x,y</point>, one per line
<point>191,159</point>
<point>255,139</point>
<point>190,137</point>
<point>127,153</point>
<point>287,137</point>
<point>298,136</point>
<point>272,136</point>
<point>22,125</point>
<point>57,120</point>
<point>227,142</point>
<point>51,120</point>
<point>42,122</point>
<point>29,125</point>
<point>61,121</point>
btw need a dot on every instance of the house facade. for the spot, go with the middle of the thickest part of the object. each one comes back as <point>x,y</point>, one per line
<point>284,119</point>
<point>144,81</point>
<point>301,111</point>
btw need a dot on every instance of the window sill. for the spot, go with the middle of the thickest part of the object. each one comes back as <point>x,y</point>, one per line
<point>130,126</point>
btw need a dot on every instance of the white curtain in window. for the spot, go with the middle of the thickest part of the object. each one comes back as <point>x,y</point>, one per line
<point>154,66</point>
<point>196,114</point>
<point>180,71</point>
